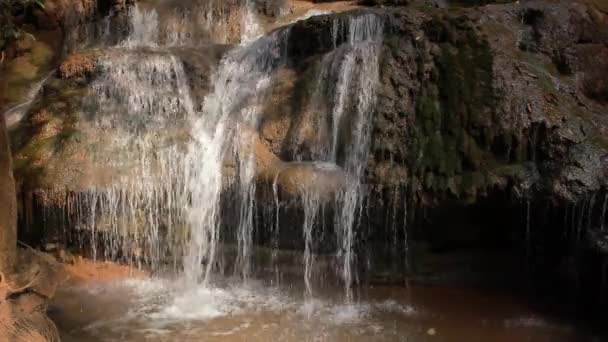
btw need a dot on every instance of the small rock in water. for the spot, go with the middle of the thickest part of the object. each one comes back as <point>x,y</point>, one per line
<point>431,332</point>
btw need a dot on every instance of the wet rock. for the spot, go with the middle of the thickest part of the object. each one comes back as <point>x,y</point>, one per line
<point>597,241</point>
<point>24,297</point>
<point>271,8</point>
<point>384,2</point>
<point>573,34</point>
<point>70,13</point>
<point>323,180</point>
<point>78,65</point>
<point>8,205</point>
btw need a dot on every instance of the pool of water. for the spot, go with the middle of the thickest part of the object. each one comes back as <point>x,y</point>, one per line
<point>165,310</point>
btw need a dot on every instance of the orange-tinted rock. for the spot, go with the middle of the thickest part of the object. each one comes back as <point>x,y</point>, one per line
<point>80,64</point>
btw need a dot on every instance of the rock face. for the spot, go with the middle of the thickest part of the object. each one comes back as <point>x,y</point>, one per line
<point>484,114</point>
<point>24,297</point>
<point>8,205</point>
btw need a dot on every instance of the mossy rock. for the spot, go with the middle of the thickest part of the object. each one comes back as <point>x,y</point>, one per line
<point>33,60</point>
<point>455,125</point>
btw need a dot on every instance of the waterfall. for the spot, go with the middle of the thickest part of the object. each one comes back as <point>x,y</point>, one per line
<point>364,34</point>
<point>136,97</point>
<point>169,161</point>
<point>144,27</point>
<point>250,28</point>
<point>229,111</point>
<point>345,91</point>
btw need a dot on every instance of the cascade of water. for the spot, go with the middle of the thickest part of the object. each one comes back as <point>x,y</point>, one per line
<point>192,23</point>
<point>144,27</point>
<point>250,28</point>
<point>345,89</point>
<point>229,111</point>
<point>141,193</point>
<point>166,195</point>
<point>364,33</point>
<point>349,76</point>
<point>140,90</point>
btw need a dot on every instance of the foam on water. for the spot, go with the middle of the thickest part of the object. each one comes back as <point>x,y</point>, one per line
<point>160,303</point>
<point>163,310</point>
<point>200,303</point>
<point>393,306</point>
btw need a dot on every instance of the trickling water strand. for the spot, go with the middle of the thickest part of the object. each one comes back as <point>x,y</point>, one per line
<point>277,226</point>
<point>406,245</point>
<point>590,212</point>
<point>528,236</point>
<point>311,203</point>
<point>141,90</point>
<point>136,96</point>
<point>343,89</point>
<point>603,217</point>
<point>247,206</point>
<point>394,208</point>
<point>192,24</point>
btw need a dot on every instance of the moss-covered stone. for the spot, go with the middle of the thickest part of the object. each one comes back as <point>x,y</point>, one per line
<point>33,59</point>
<point>455,124</point>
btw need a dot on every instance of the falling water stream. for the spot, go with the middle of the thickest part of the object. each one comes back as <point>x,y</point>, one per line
<point>182,157</point>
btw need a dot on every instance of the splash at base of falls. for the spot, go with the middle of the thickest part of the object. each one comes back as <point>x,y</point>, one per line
<point>160,310</point>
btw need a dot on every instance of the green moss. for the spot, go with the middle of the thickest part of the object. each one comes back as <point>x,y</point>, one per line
<point>455,125</point>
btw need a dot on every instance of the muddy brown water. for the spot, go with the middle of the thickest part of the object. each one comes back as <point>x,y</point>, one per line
<point>164,310</point>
